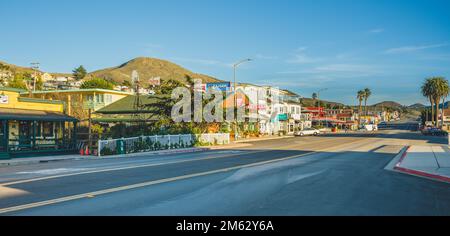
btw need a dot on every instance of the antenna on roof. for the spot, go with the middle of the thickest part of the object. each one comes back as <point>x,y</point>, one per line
<point>134,78</point>
<point>137,103</point>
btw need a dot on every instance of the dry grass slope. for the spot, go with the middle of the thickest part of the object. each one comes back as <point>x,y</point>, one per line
<point>149,68</point>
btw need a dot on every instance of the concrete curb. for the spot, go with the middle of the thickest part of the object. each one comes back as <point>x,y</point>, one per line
<point>395,160</point>
<point>262,139</point>
<point>78,158</point>
<point>418,173</point>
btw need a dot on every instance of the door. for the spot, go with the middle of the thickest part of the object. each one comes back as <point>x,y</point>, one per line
<point>24,133</point>
<point>3,135</point>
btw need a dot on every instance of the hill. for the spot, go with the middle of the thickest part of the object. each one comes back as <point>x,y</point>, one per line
<point>15,69</point>
<point>388,104</point>
<point>309,102</point>
<point>417,106</point>
<point>149,68</point>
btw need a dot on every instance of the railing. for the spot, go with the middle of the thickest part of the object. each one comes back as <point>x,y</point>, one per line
<point>158,142</point>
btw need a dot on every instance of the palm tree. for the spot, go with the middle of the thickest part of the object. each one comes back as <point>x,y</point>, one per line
<point>428,91</point>
<point>314,97</point>
<point>360,96</point>
<point>440,91</point>
<point>367,94</point>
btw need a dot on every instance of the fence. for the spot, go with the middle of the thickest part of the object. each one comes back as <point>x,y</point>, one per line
<point>158,142</point>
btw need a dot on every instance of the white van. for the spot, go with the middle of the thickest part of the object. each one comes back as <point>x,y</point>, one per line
<point>371,127</point>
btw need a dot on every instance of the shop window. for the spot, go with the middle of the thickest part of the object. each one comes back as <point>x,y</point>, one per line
<point>108,98</point>
<point>47,129</point>
<point>2,132</point>
<point>38,129</point>
<point>99,98</point>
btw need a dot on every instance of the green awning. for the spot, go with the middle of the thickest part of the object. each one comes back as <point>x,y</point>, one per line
<point>33,115</point>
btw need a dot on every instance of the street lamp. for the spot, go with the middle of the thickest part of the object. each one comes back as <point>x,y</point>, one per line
<point>319,105</point>
<point>235,94</point>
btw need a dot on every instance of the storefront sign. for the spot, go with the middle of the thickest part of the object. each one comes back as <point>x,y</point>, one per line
<point>200,87</point>
<point>154,81</point>
<point>283,117</point>
<point>4,99</point>
<point>224,87</point>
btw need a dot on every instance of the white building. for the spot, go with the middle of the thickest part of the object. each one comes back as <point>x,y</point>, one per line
<point>274,110</point>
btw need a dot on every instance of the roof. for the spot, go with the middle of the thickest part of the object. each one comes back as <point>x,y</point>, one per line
<point>22,114</point>
<point>111,118</point>
<point>290,93</point>
<point>37,100</point>
<point>81,90</point>
<point>13,90</point>
<point>126,105</point>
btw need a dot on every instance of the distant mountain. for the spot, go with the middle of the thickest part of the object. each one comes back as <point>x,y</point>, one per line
<point>417,106</point>
<point>309,102</point>
<point>149,68</point>
<point>388,104</point>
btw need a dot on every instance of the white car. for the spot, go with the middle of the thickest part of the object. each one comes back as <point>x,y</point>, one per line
<point>307,132</point>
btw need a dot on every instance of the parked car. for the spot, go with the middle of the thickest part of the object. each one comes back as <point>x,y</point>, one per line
<point>369,128</point>
<point>307,132</point>
<point>433,131</point>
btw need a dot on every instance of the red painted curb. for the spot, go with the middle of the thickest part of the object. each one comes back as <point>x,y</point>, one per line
<point>423,174</point>
<point>403,157</point>
<point>417,172</point>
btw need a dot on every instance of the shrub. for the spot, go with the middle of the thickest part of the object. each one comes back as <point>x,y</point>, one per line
<point>107,152</point>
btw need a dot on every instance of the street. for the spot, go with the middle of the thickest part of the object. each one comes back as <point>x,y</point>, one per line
<point>332,174</point>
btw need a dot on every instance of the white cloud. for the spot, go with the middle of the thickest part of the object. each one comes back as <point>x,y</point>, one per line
<point>345,68</point>
<point>408,49</point>
<point>376,31</point>
<point>301,57</point>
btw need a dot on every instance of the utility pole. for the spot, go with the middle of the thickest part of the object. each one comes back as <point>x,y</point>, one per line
<point>35,67</point>
<point>90,131</point>
<point>320,105</point>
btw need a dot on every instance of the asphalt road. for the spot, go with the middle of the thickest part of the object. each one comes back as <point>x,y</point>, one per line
<point>327,175</point>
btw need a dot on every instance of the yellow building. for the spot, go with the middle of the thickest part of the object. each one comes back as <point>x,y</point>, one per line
<point>29,125</point>
<point>79,101</point>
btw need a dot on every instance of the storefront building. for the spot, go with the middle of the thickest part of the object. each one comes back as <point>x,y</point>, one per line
<point>30,126</point>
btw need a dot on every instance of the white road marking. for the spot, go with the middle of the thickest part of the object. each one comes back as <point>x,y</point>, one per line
<point>155,182</point>
<point>52,171</point>
<point>96,170</point>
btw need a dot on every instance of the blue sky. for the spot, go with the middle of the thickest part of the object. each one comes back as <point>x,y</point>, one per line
<point>301,45</point>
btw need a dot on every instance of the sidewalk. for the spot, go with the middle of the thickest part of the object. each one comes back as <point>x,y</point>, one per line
<point>74,157</point>
<point>45,159</point>
<point>426,161</point>
<point>248,140</point>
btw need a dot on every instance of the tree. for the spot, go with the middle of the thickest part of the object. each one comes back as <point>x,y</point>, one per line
<point>314,96</point>
<point>428,91</point>
<point>79,73</point>
<point>39,83</point>
<point>97,83</point>
<point>367,94</point>
<point>440,91</point>
<point>126,83</point>
<point>360,96</point>
<point>18,82</point>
